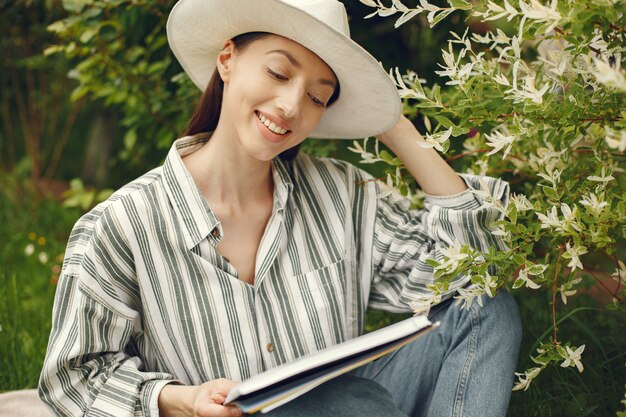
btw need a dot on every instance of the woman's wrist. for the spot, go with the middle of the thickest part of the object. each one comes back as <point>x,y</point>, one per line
<point>176,400</point>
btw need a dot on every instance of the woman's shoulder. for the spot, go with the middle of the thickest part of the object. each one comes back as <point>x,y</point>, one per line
<point>96,223</point>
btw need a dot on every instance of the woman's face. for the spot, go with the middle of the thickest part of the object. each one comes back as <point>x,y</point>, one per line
<point>275,93</point>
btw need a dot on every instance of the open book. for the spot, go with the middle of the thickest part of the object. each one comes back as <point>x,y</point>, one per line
<point>275,387</point>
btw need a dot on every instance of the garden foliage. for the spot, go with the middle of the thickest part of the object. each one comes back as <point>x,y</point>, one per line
<point>538,100</point>
<point>532,92</point>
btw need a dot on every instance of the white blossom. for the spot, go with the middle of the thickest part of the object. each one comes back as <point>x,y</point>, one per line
<point>523,276</point>
<point>620,272</point>
<point>403,90</point>
<point>573,253</point>
<point>495,12</point>
<point>29,249</point>
<point>592,203</point>
<point>420,307</point>
<point>454,255</point>
<point>551,219</point>
<point>43,257</point>
<point>539,12</point>
<point>528,91</point>
<point>490,285</point>
<point>610,75</point>
<point>502,80</point>
<point>554,176</point>
<point>547,157</point>
<point>497,140</point>
<point>390,187</point>
<point>615,139</point>
<point>569,217</point>
<point>485,194</point>
<point>451,68</point>
<point>573,357</point>
<point>466,296</point>
<point>567,290</point>
<point>435,140</point>
<point>524,379</point>
<point>434,297</point>
<point>521,202</point>
<point>366,157</point>
<point>603,177</point>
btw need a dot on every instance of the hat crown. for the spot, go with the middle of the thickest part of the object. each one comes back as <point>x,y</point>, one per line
<point>331,12</point>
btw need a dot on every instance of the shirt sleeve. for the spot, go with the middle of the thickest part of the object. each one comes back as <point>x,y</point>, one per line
<point>92,367</point>
<point>404,239</point>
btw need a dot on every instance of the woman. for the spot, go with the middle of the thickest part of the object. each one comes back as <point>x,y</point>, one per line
<point>238,254</point>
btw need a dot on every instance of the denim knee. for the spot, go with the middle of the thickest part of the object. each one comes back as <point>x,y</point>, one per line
<point>502,316</point>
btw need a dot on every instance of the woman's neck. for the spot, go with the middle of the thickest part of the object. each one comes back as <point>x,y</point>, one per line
<point>229,177</point>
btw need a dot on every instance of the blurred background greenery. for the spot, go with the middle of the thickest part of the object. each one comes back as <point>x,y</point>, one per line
<point>103,104</point>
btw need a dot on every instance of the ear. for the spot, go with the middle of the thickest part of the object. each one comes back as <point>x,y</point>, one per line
<point>225,60</point>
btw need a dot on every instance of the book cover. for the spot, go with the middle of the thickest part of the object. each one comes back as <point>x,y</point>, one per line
<point>268,390</point>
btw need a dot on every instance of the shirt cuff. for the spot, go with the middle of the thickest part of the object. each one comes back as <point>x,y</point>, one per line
<point>149,395</point>
<point>463,199</point>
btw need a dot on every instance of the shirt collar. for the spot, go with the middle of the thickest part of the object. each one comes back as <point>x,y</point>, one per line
<point>196,217</point>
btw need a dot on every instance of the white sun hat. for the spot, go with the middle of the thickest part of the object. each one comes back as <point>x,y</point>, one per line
<point>368,102</point>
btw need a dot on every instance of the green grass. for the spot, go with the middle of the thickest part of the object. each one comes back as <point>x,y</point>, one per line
<point>26,283</point>
<point>598,390</point>
<point>27,292</point>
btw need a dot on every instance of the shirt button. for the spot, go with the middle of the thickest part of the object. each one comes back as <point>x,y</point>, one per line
<point>215,233</point>
<point>270,347</point>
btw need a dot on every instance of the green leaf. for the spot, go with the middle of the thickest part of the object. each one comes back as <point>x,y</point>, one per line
<point>437,93</point>
<point>460,4</point>
<point>518,283</point>
<point>444,121</point>
<point>88,34</point>
<point>74,6</point>
<point>53,49</point>
<point>513,213</point>
<point>130,138</point>
<point>57,27</point>
<point>536,269</point>
<point>550,193</point>
<point>439,17</point>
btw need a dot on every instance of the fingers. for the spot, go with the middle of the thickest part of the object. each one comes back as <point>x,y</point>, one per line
<point>210,399</point>
<point>217,410</point>
<point>221,386</point>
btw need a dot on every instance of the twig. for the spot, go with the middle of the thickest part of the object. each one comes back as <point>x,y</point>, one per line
<point>620,154</point>
<point>599,281</point>
<point>461,155</point>
<point>619,281</point>
<point>62,141</point>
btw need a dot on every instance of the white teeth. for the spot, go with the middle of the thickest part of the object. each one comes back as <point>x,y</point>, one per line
<point>271,126</point>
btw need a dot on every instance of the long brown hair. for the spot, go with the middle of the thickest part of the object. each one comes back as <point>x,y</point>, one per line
<point>207,113</point>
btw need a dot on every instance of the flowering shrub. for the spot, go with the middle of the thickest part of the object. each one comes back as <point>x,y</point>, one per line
<point>538,100</point>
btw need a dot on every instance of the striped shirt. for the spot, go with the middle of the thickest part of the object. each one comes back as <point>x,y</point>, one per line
<point>144,298</point>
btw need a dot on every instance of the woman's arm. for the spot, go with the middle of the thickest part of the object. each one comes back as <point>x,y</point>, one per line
<point>431,172</point>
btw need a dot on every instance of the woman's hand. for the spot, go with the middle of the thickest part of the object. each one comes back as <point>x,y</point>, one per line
<point>206,400</point>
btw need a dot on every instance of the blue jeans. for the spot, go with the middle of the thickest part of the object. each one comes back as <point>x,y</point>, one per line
<point>465,368</point>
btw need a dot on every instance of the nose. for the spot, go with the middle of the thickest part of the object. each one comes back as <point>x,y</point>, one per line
<point>289,101</point>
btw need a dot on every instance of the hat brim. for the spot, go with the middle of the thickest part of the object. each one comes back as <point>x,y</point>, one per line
<point>368,103</point>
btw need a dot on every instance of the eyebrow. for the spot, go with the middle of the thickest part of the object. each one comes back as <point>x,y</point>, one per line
<point>297,64</point>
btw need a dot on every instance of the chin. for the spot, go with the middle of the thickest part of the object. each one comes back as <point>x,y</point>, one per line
<point>262,153</point>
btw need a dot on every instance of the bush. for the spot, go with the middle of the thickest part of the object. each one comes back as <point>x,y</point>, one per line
<point>539,102</point>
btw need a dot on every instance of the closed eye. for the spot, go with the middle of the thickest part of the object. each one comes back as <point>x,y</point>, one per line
<point>317,101</point>
<point>276,75</point>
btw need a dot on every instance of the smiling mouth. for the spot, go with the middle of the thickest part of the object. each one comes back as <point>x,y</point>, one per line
<point>271,126</point>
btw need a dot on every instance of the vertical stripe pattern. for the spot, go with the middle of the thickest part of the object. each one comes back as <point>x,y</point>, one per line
<point>144,299</point>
